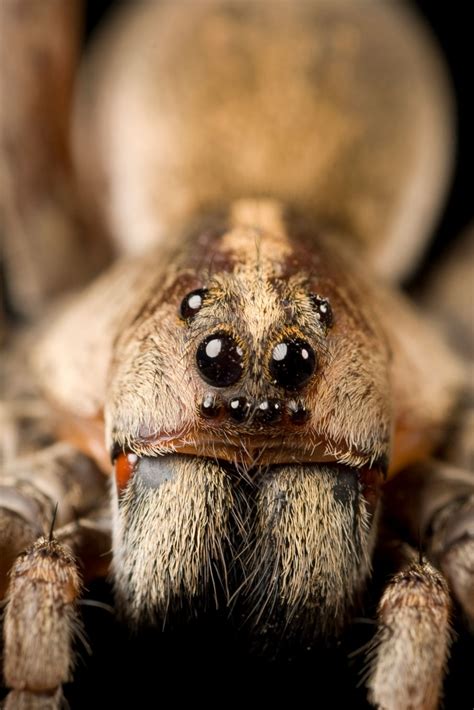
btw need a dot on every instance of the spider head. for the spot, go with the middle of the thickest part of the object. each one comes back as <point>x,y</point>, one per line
<point>258,346</point>
<point>248,408</point>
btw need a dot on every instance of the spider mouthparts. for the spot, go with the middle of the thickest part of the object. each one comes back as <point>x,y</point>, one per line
<point>185,520</point>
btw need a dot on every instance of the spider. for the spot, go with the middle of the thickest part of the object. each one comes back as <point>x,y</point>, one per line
<point>269,404</point>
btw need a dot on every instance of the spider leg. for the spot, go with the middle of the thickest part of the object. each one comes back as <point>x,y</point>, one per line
<point>40,621</point>
<point>431,504</point>
<point>434,503</point>
<point>410,649</point>
<point>450,539</point>
<point>40,624</point>
<point>91,540</point>
<point>47,249</point>
<point>31,486</point>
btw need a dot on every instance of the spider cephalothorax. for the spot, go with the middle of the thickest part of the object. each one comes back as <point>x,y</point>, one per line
<point>271,472</point>
<point>257,353</point>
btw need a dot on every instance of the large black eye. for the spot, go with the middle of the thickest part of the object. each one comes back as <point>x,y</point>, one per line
<point>292,363</point>
<point>322,309</point>
<point>191,303</point>
<point>220,359</point>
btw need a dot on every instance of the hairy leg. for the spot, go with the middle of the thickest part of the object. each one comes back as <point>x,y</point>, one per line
<point>409,652</point>
<point>433,505</point>
<point>41,622</point>
<point>47,248</point>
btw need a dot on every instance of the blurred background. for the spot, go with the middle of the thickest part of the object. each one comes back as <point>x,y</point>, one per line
<point>452,28</point>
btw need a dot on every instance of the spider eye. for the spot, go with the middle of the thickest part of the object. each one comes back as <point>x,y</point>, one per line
<point>211,407</point>
<point>192,303</point>
<point>322,309</point>
<point>292,363</point>
<point>220,359</point>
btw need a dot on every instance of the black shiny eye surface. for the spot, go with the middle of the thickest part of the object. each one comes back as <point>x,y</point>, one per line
<point>239,409</point>
<point>220,359</point>
<point>297,412</point>
<point>323,310</point>
<point>292,363</point>
<point>269,411</point>
<point>192,303</point>
<point>210,406</point>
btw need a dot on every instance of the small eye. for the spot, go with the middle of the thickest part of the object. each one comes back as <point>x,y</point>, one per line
<point>292,363</point>
<point>269,411</point>
<point>192,303</point>
<point>297,412</point>
<point>220,359</point>
<point>322,309</point>
<point>239,408</point>
<point>211,407</point>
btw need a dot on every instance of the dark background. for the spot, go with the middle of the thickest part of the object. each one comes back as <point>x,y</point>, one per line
<point>451,27</point>
<point>206,662</point>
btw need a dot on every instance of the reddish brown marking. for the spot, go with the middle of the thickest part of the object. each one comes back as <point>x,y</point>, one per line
<point>125,465</point>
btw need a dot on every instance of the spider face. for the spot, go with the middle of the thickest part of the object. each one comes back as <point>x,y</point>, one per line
<point>262,423</point>
<point>271,355</point>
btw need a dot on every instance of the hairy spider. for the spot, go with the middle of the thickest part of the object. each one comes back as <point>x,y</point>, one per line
<point>269,403</point>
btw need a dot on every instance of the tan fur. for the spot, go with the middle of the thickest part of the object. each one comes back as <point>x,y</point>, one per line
<point>170,541</point>
<point>309,554</point>
<point>58,473</point>
<point>30,488</point>
<point>373,379</point>
<point>295,559</point>
<point>412,644</point>
<point>40,619</point>
<point>435,501</point>
<point>25,700</point>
